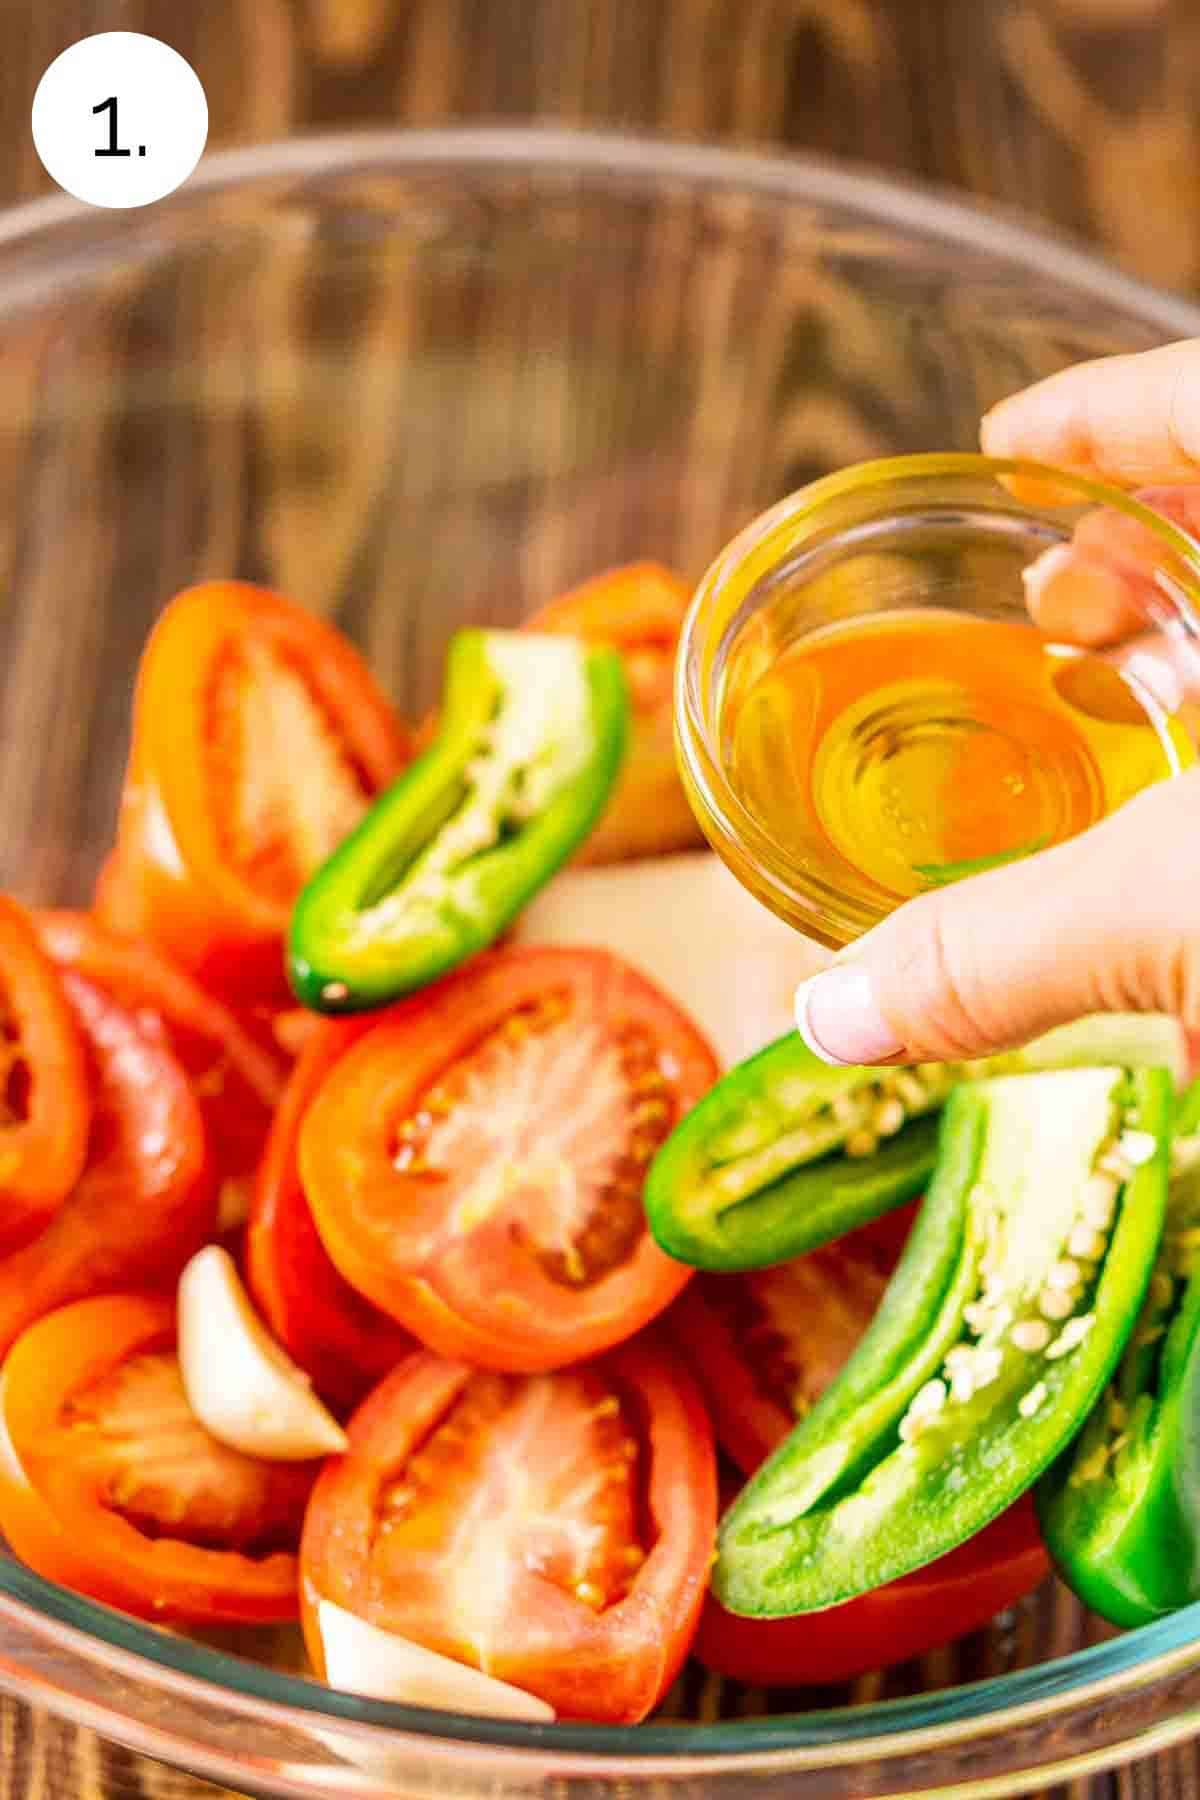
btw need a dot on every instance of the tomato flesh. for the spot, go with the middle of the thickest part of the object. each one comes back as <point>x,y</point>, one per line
<point>159,1467</point>
<point>285,789</point>
<point>530,1475</point>
<point>474,1164</point>
<point>508,1125</point>
<point>766,1344</point>
<point>259,738</point>
<point>798,1322</point>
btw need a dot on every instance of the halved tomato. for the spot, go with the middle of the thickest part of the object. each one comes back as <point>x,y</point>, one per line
<point>932,1606</point>
<point>475,1163</point>
<point>343,1342</point>
<point>45,1107</point>
<point>553,1530</point>
<point>764,1345</point>
<point>110,1484</point>
<point>237,1082</point>
<point>146,1200</point>
<point>259,739</point>
<point>639,610</point>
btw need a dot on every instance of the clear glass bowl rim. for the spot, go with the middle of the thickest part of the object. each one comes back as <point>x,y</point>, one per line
<point>749,560</point>
<point>39,242</point>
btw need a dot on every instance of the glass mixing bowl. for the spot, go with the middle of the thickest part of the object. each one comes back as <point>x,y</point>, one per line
<point>422,379</point>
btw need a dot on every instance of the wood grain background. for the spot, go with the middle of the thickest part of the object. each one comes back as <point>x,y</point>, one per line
<point>1082,112</point>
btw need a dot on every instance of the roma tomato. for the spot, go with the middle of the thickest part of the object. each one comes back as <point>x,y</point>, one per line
<point>764,1345</point>
<point>933,1606</point>
<point>236,1080</point>
<point>110,1485</point>
<point>259,739</point>
<point>553,1530</point>
<point>639,610</point>
<point>341,1341</point>
<point>146,1200</point>
<point>45,1107</point>
<point>475,1163</point>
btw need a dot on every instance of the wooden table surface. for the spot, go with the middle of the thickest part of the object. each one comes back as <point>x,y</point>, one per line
<point>1081,111</point>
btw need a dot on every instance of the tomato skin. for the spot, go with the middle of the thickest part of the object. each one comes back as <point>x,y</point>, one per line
<point>146,1200</point>
<point>932,1606</point>
<point>639,610</point>
<point>614,1665</point>
<point>343,1342</point>
<point>53,1512</point>
<point>473,1292</point>
<point>42,1153</point>
<point>169,879</point>
<point>237,1081</point>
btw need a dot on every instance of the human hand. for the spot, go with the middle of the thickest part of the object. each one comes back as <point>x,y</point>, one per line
<point>1109,921</point>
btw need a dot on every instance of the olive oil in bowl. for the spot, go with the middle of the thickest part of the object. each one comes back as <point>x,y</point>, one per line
<point>864,711</point>
<point>907,749</point>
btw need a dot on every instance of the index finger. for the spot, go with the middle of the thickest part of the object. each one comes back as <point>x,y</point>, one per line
<point>1129,420</point>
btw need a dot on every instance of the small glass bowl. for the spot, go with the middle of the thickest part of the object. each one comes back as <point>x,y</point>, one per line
<point>895,535</point>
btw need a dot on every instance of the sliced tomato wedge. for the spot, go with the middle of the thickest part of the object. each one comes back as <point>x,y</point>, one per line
<point>765,1345</point>
<point>945,1600</point>
<point>259,739</point>
<point>45,1106</point>
<point>475,1163</point>
<point>146,1200</point>
<point>554,1530</point>
<point>343,1342</point>
<point>639,610</point>
<point>110,1485</point>
<point>237,1082</point>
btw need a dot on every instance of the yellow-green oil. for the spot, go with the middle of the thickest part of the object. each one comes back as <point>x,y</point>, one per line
<point>917,747</point>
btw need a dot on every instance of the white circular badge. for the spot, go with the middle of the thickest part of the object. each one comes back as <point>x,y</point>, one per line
<point>120,119</point>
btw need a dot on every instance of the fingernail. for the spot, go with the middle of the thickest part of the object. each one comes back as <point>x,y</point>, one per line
<point>838,1018</point>
<point>1044,569</point>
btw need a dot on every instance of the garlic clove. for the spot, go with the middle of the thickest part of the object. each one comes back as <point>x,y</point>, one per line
<point>239,1382</point>
<point>360,1658</point>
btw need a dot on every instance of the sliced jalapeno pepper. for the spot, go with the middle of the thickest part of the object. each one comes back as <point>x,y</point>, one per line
<point>786,1153</point>
<point>531,738</point>
<point>1003,1322</point>
<point>1120,1510</point>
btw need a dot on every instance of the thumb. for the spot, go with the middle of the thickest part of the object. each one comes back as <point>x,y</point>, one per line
<point>1107,922</point>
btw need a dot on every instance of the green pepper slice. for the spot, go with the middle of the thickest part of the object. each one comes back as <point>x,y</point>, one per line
<point>1120,1510</point>
<point>785,1153</point>
<point>531,739</point>
<point>1002,1324</point>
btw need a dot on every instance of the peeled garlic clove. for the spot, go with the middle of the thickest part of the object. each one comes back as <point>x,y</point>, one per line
<point>362,1659</point>
<point>238,1381</point>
